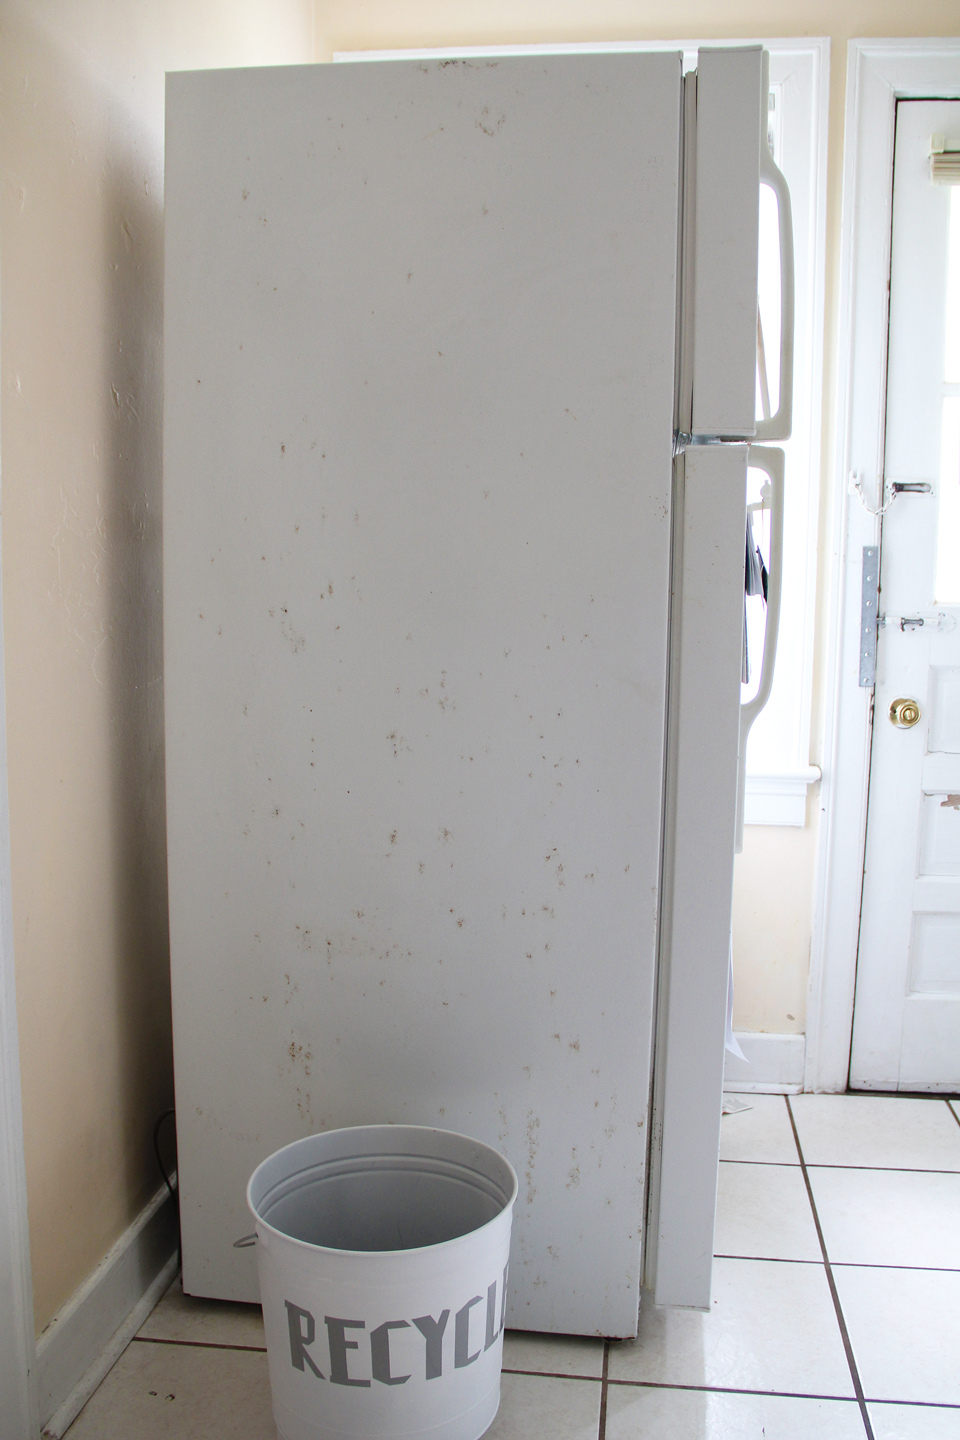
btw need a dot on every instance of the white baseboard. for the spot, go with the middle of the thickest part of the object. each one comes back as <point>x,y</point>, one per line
<point>774,1064</point>
<point>86,1338</point>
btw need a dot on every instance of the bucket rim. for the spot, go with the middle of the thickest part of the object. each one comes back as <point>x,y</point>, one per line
<point>436,1248</point>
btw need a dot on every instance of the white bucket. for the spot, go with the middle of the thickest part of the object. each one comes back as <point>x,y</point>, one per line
<point>382,1254</point>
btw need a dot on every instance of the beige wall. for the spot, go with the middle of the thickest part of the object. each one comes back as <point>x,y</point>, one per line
<point>772,904</point>
<point>81,258</point>
<point>773,893</point>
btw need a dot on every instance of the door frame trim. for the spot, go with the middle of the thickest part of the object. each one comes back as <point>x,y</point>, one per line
<point>879,72</point>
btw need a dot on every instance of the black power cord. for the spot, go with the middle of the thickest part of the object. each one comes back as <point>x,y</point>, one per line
<point>166,1178</point>
<point>156,1148</point>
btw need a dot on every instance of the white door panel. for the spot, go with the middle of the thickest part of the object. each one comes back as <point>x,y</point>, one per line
<point>941,773</point>
<point>939,835</point>
<point>907,1014</point>
<point>931,1026</point>
<point>945,708</point>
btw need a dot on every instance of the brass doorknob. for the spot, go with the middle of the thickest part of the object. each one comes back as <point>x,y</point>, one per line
<point>904,714</point>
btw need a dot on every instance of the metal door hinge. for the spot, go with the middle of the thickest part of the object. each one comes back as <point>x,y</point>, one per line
<point>869,609</point>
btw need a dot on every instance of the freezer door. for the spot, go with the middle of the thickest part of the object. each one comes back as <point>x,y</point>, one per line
<point>419,360</point>
<point>730,124</point>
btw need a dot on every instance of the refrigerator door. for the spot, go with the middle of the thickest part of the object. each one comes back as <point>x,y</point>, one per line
<point>716,389</point>
<point>419,364</point>
<point>710,507</point>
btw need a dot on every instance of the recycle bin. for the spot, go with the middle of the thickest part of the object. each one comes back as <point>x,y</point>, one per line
<point>382,1252</point>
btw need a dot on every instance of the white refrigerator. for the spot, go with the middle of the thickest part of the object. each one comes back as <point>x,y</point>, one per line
<point>453,617</point>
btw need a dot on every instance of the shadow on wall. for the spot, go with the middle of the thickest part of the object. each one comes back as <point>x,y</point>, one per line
<point>132,351</point>
<point>81,243</point>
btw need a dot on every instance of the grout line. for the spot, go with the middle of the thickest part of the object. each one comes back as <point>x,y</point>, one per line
<point>774,1259</point>
<point>730,1390</point>
<point>872,1169</point>
<point>783,1164</point>
<point>604,1382</point>
<point>262,1350</point>
<point>888,1169</point>
<point>848,1348</point>
<point>199,1344</point>
<point>880,1169</point>
<point>917,1404</point>
<point>922,1269</point>
<point>550,1374</point>
<point>841,1264</point>
<point>767,1259</point>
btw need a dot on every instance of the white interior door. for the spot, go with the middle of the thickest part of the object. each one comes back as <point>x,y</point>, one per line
<point>906,1032</point>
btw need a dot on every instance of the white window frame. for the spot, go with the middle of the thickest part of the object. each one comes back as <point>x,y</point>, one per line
<point>778,755</point>
<point>879,72</point>
<point>778,752</point>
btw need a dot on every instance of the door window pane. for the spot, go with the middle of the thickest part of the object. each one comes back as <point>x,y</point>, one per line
<point>947,589</point>
<point>768,298</point>
<point>952,356</point>
<point>947,586</point>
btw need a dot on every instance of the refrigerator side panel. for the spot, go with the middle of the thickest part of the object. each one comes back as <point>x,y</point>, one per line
<point>420,328</point>
<point>729,130</point>
<point>700,823</point>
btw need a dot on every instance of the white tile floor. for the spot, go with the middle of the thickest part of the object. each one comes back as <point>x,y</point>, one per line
<point>857,1337</point>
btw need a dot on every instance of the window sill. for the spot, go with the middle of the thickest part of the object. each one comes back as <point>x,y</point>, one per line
<point>779,799</point>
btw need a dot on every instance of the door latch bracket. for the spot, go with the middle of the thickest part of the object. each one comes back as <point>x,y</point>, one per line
<point>869,611</point>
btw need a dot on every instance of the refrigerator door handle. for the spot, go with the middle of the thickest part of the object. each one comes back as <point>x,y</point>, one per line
<point>780,424</point>
<point>770,461</point>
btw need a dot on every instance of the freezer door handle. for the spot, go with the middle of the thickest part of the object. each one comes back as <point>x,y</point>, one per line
<point>780,424</point>
<point>770,461</point>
